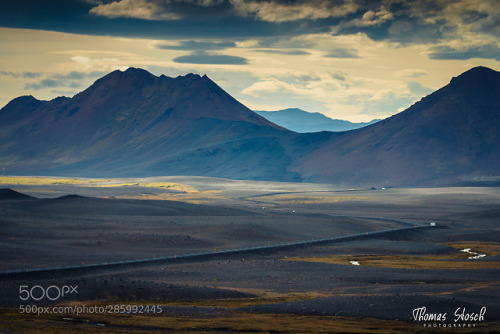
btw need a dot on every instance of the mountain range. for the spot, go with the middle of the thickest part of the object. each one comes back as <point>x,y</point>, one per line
<point>452,135</point>
<point>302,121</point>
<point>133,123</point>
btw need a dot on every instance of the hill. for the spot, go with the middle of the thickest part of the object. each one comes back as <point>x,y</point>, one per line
<point>302,121</point>
<point>7,194</point>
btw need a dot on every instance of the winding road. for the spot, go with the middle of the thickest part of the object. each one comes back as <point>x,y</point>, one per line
<point>18,273</point>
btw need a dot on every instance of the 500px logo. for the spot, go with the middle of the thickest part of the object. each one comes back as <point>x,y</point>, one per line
<point>52,292</point>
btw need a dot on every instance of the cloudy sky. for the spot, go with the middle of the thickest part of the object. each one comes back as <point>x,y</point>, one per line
<point>349,59</point>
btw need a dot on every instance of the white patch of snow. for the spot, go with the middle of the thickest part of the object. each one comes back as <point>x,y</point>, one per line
<point>474,256</point>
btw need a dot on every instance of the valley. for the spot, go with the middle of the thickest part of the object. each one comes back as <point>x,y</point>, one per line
<point>74,222</point>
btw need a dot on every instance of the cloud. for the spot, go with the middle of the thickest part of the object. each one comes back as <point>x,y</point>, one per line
<point>74,75</point>
<point>339,75</point>
<point>444,52</point>
<point>49,83</point>
<point>270,85</point>
<point>275,94</point>
<point>148,9</point>
<point>24,75</point>
<point>100,64</point>
<point>387,102</point>
<point>139,9</point>
<point>420,21</point>
<point>410,73</point>
<point>416,88</point>
<point>412,30</point>
<point>342,53</point>
<point>282,42</point>
<point>197,45</point>
<point>410,22</point>
<point>479,16</point>
<point>311,88</point>
<point>299,80</point>
<point>423,21</point>
<point>314,87</point>
<point>402,29</point>
<point>371,18</point>
<point>283,52</point>
<point>278,11</point>
<point>210,59</point>
<point>72,79</point>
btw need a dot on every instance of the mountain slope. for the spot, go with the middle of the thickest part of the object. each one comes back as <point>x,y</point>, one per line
<point>134,123</point>
<point>302,121</point>
<point>449,136</point>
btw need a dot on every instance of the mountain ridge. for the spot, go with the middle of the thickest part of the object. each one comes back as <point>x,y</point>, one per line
<point>302,121</point>
<point>132,123</point>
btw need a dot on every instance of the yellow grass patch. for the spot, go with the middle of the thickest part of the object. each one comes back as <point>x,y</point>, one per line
<point>308,199</point>
<point>160,185</point>
<point>195,197</point>
<point>265,298</point>
<point>39,180</point>
<point>229,322</point>
<point>453,261</point>
<point>102,183</point>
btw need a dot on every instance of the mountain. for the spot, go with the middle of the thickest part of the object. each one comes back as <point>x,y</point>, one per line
<point>448,137</point>
<point>302,121</point>
<point>135,124</point>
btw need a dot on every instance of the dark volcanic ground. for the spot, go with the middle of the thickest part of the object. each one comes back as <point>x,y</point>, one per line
<point>37,233</point>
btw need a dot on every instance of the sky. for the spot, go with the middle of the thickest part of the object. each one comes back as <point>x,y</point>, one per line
<point>355,60</point>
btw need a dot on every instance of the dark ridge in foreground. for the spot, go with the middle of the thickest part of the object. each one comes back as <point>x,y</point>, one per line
<point>92,206</point>
<point>69,197</point>
<point>9,194</point>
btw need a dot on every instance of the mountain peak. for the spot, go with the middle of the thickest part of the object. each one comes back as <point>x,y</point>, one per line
<point>478,70</point>
<point>136,70</point>
<point>125,96</point>
<point>138,77</point>
<point>24,99</point>
<point>131,73</point>
<point>476,75</point>
<point>190,75</point>
<point>21,104</point>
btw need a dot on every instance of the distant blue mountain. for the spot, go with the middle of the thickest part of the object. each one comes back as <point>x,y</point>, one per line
<point>302,121</point>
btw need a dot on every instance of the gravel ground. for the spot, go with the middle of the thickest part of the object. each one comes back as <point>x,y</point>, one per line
<point>50,234</point>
